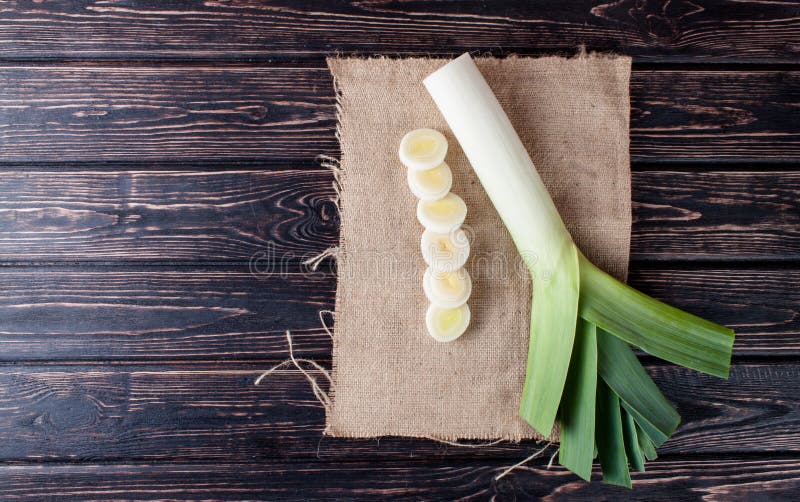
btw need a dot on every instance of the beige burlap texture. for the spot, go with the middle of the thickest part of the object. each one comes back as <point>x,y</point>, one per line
<point>389,376</point>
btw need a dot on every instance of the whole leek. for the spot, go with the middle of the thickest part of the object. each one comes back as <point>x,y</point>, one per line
<point>566,288</point>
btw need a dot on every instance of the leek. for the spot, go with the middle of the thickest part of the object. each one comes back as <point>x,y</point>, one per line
<point>577,410</point>
<point>570,293</point>
<point>632,449</point>
<point>653,326</point>
<point>645,444</point>
<point>656,435</point>
<point>610,440</point>
<point>622,372</point>
<point>517,192</point>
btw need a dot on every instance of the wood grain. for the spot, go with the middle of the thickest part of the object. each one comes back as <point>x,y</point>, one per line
<point>139,113</point>
<point>717,215</point>
<point>161,313</point>
<point>675,31</point>
<point>717,479</point>
<point>142,188</point>
<point>197,411</point>
<point>166,215</point>
<point>162,113</point>
<point>211,215</point>
<point>720,115</point>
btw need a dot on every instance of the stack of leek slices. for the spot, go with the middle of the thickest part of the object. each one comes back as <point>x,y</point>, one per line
<point>444,244</point>
<point>581,368</point>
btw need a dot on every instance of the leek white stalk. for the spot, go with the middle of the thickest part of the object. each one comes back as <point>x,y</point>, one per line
<point>507,173</point>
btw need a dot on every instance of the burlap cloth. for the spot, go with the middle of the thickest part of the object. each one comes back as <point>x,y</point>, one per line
<point>389,377</point>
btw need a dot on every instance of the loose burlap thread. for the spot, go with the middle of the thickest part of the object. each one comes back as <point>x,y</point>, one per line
<point>389,377</point>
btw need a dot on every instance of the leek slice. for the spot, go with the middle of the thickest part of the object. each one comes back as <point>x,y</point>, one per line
<point>445,252</point>
<point>423,149</point>
<point>442,215</point>
<point>622,371</point>
<point>610,442</point>
<point>577,411</point>
<point>446,325</point>
<point>430,184</point>
<point>655,327</point>
<point>448,290</point>
<point>632,450</point>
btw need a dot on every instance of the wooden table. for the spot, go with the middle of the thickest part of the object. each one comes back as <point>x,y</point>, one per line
<point>150,150</point>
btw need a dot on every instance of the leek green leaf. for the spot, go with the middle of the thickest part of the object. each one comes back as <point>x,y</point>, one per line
<point>608,434</point>
<point>623,372</point>
<point>656,436</point>
<point>658,329</point>
<point>554,314</point>
<point>632,450</point>
<point>645,444</point>
<point>577,410</point>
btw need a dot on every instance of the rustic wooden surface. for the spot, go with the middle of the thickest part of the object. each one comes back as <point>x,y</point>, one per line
<point>142,112</point>
<point>211,411</point>
<point>155,157</point>
<point>682,30</point>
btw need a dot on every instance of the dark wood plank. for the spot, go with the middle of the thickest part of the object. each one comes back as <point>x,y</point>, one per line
<point>196,411</point>
<point>119,313</point>
<point>679,31</point>
<point>151,215</point>
<point>676,480</point>
<point>718,215</point>
<point>160,313</point>
<point>138,113</point>
<point>235,215</point>
<point>720,115</point>
<point>162,113</point>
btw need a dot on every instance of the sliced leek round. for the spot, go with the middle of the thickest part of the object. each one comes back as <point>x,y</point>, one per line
<point>445,325</point>
<point>445,252</point>
<point>447,290</point>
<point>442,215</point>
<point>423,149</point>
<point>431,184</point>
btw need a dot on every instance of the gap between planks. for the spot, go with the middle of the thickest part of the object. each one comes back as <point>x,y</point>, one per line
<point>259,364</point>
<point>276,164</point>
<point>500,460</point>
<point>317,61</point>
